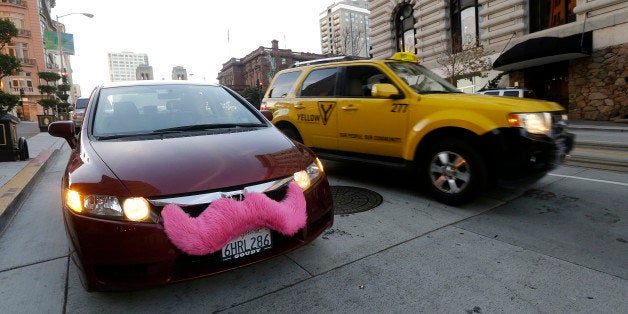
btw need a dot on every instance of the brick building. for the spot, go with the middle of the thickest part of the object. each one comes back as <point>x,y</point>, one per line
<point>259,66</point>
<point>31,18</point>
<point>574,52</point>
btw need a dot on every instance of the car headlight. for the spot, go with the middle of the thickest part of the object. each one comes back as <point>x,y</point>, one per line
<point>535,123</point>
<point>107,206</point>
<point>305,178</point>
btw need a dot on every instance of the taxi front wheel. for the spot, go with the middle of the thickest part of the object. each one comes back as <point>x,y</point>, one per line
<point>454,172</point>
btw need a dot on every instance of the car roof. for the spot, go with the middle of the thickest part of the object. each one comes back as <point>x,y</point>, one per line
<point>154,82</point>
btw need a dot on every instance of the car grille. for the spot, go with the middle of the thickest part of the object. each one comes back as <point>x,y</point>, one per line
<point>194,205</point>
<point>558,123</point>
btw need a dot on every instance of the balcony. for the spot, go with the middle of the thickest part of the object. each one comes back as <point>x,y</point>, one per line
<point>24,33</point>
<point>19,3</point>
<point>28,62</point>
<point>27,90</point>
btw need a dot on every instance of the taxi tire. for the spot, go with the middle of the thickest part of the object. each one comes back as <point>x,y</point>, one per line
<point>472,175</point>
<point>291,132</point>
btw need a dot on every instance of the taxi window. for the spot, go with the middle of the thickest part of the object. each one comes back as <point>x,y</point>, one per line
<point>492,93</point>
<point>283,84</point>
<point>511,93</point>
<point>320,83</point>
<point>360,80</point>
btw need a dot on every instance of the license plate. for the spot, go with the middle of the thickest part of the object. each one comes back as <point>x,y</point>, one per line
<point>249,243</point>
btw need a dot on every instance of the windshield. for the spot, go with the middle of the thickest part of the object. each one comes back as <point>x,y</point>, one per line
<point>81,103</point>
<point>154,109</point>
<point>420,79</point>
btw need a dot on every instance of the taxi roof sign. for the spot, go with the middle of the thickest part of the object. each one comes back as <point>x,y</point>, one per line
<point>405,56</point>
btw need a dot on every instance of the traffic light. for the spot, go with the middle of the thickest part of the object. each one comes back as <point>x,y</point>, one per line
<point>64,77</point>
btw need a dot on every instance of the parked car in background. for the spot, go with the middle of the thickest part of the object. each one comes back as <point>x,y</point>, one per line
<point>510,91</point>
<point>170,181</point>
<point>79,112</point>
<point>397,112</point>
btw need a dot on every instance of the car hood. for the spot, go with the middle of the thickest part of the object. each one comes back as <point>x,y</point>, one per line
<point>181,165</point>
<point>510,104</point>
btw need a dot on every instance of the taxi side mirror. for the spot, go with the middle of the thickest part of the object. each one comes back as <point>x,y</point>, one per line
<point>385,91</point>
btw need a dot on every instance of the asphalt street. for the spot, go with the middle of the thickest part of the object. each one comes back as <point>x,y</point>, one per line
<point>557,246</point>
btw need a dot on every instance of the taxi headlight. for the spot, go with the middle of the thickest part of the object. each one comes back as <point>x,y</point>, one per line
<point>535,123</point>
<point>107,206</point>
<point>305,178</point>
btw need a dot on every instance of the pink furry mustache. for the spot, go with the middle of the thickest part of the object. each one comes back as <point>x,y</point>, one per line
<point>226,219</point>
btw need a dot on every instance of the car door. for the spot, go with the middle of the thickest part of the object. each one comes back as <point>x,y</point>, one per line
<point>315,109</point>
<point>366,124</point>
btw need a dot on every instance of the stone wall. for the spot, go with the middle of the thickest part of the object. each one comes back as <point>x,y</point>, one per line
<point>598,87</point>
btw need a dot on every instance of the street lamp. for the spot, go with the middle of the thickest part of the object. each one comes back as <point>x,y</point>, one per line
<point>60,45</point>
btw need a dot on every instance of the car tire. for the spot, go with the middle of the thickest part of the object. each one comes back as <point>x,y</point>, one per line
<point>454,172</point>
<point>22,146</point>
<point>291,132</point>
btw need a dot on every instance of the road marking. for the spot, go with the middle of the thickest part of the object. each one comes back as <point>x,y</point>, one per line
<point>587,179</point>
<point>594,151</point>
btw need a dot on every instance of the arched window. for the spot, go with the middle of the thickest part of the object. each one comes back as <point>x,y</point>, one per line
<point>404,27</point>
<point>464,24</point>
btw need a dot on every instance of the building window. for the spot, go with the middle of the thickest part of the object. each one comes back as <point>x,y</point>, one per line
<point>546,14</point>
<point>405,28</point>
<point>464,24</point>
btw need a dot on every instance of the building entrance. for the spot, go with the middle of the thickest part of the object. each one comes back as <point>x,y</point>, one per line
<point>549,82</point>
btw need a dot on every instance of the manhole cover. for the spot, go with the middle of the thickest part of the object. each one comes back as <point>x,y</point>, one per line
<point>351,199</point>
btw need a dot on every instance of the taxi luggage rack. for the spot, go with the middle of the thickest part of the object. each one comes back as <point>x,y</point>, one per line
<point>326,60</point>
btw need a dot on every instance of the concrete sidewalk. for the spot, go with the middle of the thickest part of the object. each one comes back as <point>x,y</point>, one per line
<point>16,177</point>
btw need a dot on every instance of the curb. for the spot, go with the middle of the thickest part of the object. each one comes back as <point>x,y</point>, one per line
<point>14,191</point>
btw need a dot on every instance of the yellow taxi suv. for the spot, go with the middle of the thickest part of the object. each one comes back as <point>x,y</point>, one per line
<point>396,111</point>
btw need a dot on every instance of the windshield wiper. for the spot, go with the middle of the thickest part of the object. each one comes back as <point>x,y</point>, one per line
<point>115,136</point>
<point>209,127</point>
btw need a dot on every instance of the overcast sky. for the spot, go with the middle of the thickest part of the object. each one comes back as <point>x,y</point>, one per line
<point>188,33</point>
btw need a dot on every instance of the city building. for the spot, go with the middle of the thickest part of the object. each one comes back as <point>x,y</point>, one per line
<point>144,72</point>
<point>574,52</point>
<point>179,73</point>
<point>123,65</point>
<point>258,67</point>
<point>345,29</point>
<point>31,18</point>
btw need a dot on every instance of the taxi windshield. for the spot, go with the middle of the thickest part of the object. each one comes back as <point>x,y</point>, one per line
<point>420,79</point>
<point>152,109</point>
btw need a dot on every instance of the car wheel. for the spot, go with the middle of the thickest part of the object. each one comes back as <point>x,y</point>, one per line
<point>454,172</point>
<point>291,132</point>
<point>22,146</point>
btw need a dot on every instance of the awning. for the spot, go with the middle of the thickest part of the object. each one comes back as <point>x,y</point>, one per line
<point>543,50</point>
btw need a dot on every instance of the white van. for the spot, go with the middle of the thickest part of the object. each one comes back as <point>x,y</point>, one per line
<point>510,91</point>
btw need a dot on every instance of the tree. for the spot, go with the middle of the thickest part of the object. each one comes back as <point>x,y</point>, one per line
<point>473,60</point>
<point>252,95</point>
<point>349,41</point>
<point>50,89</point>
<point>8,65</point>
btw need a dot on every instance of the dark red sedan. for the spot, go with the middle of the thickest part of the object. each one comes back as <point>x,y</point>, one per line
<point>170,181</point>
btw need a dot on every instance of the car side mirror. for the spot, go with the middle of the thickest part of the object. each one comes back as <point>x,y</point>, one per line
<point>385,91</point>
<point>267,114</point>
<point>65,130</point>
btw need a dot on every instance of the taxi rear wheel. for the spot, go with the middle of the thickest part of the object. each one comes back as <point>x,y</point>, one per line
<point>454,172</point>
<point>291,132</point>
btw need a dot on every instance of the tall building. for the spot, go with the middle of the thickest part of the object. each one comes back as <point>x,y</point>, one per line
<point>345,28</point>
<point>258,67</point>
<point>31,18</point>
<point>179,73</point>
<point>574,52</point>
<point>144,72</point>
<point>123,65</point>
